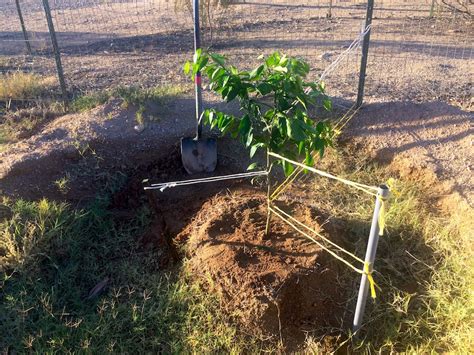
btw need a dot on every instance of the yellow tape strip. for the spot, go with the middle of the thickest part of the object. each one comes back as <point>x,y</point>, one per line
<point>381,219</point>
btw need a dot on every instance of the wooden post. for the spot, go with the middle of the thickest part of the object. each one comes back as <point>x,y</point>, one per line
<point>365,53</point>
<point>23,27</point>
<point>57,54</point>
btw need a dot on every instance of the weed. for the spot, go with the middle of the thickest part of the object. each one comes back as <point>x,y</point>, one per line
<point>89,101</point>
<point>63,184</point>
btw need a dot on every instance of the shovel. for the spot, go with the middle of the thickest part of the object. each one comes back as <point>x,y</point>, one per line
<point>198,154</point>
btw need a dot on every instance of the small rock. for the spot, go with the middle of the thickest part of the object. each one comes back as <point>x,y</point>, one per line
<point>326,56</point>
<point>139,127</point>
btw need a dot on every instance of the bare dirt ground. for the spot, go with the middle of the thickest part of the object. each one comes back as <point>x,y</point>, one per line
<point>412,57</point>
<point>421,138</point>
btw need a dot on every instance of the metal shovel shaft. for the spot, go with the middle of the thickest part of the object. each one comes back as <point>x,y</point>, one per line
<point>197,79</point>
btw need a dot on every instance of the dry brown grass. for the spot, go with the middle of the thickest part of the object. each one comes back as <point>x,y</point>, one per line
<point>21,86</point>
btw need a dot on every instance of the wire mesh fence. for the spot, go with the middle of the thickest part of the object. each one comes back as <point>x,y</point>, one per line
<point>420,50</point>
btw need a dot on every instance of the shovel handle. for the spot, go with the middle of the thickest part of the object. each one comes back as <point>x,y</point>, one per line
<point>197,79</point>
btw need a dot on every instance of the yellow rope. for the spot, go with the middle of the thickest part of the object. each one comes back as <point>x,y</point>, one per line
<point>284,185</point>
<point>315,241</point>
<point>359,186</point>
<point>366,268</point>
<point>347,117</point>
<point>316,233</point>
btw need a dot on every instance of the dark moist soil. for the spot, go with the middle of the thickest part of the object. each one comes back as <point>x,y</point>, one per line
<point>280,287</point>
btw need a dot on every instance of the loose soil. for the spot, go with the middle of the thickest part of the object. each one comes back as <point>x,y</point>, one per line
<point>276,285</point>
<point>279,287</point>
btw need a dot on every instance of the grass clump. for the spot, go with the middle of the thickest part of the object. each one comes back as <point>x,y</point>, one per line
<point>51,256</point>
<point>20,124</point>
<point>22,86</point>
<point>89,101</point>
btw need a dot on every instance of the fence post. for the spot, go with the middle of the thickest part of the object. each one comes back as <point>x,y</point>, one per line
<point>382,193</point>
<point>329,14</point>
<point>433,2</point>
<point>23,27</point>
<point>57,54</point>
<point>365,53</point>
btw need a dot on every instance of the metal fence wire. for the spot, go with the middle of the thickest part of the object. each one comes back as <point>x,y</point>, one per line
<point>419,50</point>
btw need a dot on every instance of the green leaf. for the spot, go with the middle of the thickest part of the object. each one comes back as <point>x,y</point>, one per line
<point>301,146</point>
<point>320,127</point>
<point>244,125</point>
<point>264,88</point>
<point>202,63</point>
<point>254,74</point>
<point>187,67</point>
<point>197,55</point>
<point>233,92</point>
<point>249,139</point>
<point>287,167</point>
<point>327,104</point>
<point>252,166</point>
<point>309,159</point>
<point>219,59</point>
<point>216,73</point>
<point>281,69</point>
<point>294,129</point>
<point>254,149</point>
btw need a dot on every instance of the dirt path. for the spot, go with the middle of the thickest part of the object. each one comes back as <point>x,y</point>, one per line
<point>429,138</point>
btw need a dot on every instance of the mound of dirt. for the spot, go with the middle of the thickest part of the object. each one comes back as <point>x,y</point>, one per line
<point>278,286</point>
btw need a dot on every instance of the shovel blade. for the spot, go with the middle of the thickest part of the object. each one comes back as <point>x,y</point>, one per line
<point>199,155</point>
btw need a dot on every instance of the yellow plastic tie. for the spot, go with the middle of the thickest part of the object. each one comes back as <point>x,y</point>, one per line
<point>371,280</point>
<point>381,219</point>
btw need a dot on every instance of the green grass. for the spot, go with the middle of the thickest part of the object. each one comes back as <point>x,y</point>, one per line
<point>425,264</point>
<point>52,255</point>
<point>89,101</point>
